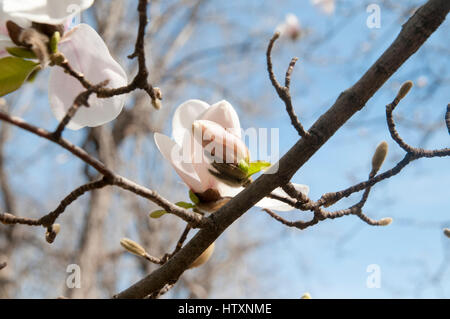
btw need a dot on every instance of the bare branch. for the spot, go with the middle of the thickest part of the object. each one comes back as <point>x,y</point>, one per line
<point>283,91</point>
<point>413,34</point>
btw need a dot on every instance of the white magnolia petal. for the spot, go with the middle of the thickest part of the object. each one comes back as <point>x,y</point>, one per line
<point>173,153</point>
<point>44,11</point>
<point>88,54</point>
<point>225,146</point>
<point>276,204</point>
<point>228,191</point>
<point>184,116</point>
<point>201,166</point>
<point>223,114</point>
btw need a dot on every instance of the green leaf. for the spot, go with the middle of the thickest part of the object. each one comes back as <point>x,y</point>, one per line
<point>34,74</point>
<point>157,213</point>
<point>255,167</point>
<point>185,205</point>
<point>243,165</point>
<point>21,53</point>
<point>13,72</point>
<point>54,42</point>
<point>193,197</point>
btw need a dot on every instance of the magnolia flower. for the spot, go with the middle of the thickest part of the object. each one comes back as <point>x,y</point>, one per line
<point>186,152</point>
<point>83,48</point>
<point>290,28</point>
<point>326,6</point>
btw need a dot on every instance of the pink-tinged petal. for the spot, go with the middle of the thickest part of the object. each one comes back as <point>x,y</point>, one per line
<point>174,154</point>
<point>216,141</point>
<point>184,116</point>
<point>44,11</point>
<point>223,114</point>
<point>88,54</point>
<point>280,206</point>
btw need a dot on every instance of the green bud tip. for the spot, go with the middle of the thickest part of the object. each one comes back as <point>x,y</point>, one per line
<point>54,42</point>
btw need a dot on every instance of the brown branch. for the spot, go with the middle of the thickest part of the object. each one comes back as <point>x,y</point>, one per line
<point>409,149</point>
<point>413,34</point>
<point>50,218</point>
<point>196,220</point>
<point>75,150</point>
<point>80,100</point>
<point>140,81</point>
<point>3,265</point>
<point>283,91</point>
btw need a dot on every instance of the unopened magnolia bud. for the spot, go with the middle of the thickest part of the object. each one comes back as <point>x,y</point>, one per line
<point>306,295</point>
<point>133,247</point>
<point>385,221</point>
<point>158,93</point>
<point>204,257</point>
<point>51,233</point>
<point>156,103</point>
<point>404,90</point>
<point>447,232</point>
<point>379,156</point>
<point>56,228</point>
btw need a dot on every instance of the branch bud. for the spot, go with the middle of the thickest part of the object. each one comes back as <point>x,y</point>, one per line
<point>133,247</point>
<point>385,221</point>
<point>404,90</point>
<point>306,295</point>
<point>204,257</point>
<point>447,232</point>
<point>51,233</point>
<point>379,156</point>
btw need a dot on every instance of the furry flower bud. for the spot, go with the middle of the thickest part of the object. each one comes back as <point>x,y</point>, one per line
<point>379,156</point>
<point>133,247</point>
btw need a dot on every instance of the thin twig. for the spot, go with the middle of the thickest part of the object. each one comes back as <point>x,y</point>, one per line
<point>283,91</point>
<point>80,100</point>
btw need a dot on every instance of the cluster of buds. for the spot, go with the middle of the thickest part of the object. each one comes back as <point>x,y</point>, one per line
<point>39,41</point>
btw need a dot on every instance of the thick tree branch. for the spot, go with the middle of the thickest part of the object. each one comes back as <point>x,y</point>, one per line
<point>413,34</point>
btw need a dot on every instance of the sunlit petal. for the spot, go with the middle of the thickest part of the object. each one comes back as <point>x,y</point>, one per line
<point>88,54</point>
<point>184,116</point>
<point>223,114</point>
